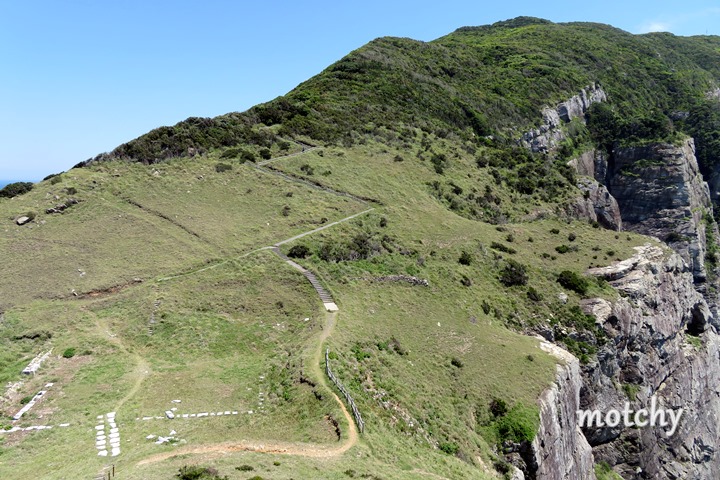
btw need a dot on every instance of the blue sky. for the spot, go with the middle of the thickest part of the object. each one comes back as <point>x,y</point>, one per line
<point>80,77</point>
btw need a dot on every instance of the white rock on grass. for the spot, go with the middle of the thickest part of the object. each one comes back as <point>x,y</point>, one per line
<point>103,453</point>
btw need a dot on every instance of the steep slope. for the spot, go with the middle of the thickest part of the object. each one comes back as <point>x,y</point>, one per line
<point>463,183</point>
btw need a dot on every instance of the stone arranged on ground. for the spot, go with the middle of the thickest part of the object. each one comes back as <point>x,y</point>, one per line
<point>32,402</point>
<point>35,363</point>
<point>112,439</point>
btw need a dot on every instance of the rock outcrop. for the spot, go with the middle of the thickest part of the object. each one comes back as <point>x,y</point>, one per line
<point>550,134</point>
<point>596,205</point>
<point>661,342</point>
<point>560,450</point>
<point>661,193</point>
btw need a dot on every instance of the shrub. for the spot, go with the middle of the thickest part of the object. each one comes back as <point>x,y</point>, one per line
<point>398,159</point>
<point>286,211</point>
<point>265,153</point>
<point>456,362</point>
<point>54,179</point>
<point>15,189</point>
<point>513,273</point>
<point>510,238</point>
<point>502,248</point>
<point>26,399</point>
<point>196,472</point>
<point>383,222</point>
<point>555,231</point>
<point>562,249</point>
<point>534,295</point>
<point>572,281</point>
<point>486,307</point>
<point>498,407</point>
<point>299,251</point>
<point>307,169</point>
<point>231,153</point>
<point>71,191</point>
<point>222,167</point>
<point>572,237</point>
<point>245,468</point>
<point>465,258</point>
<point>519,424</point>
<point>466,281</point>
<point>451,448</point>
<point>247,156</point>
<point>284,146</point>
<point>610,253</point>
<point>69,352</point>
<point>439,162</point>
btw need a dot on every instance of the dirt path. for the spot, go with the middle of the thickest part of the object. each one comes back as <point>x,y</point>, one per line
<point>281,448</point>
<point>142,367</point>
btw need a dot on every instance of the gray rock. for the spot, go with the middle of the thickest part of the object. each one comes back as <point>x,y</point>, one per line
<point>549,135</point>
<point>22,220</point>
<point>661,193</point>
<point>648,347</point>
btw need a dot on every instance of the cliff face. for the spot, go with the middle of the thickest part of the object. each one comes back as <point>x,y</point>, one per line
<point>662,331</point>
<point>560,451</point>
<point>661,193</point>
<point>661,342</point>
<point>550,132</point>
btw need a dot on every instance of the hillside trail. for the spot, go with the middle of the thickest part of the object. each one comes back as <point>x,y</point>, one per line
<point>315,355</point>
<point>142,367</point>
<point>281,448</point>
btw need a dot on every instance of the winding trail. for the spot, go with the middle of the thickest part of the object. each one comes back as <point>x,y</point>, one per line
<point>281,448</point>
<point>284,448</point>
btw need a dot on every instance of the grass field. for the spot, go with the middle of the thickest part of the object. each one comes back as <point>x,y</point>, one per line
<point>222,326</point>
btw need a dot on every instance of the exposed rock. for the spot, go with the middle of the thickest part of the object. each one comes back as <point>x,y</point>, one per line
<point>22,220</point>
<point>661,193</point>
<point>647,348</point>
<point>559,450</point>
<point>549,134</point>
<point>63,206</point>
<point>596,205</point>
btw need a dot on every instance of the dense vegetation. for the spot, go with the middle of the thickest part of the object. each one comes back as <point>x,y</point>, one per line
<point>475,82</point>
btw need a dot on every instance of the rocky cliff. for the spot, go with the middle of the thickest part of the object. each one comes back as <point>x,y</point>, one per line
<point>661,193</point>
<point>660,341</point>
<point>661,332</point>
<point>550,133</point>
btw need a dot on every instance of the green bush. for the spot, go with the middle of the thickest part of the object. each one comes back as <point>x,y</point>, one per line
<point>513,274</point>
<point>231,153</point>
<point>15,189</point>
<point>465,258</point>
<point>222,167</point>
<point>456,362</point>
<point>451,448</point>
<point>265,154</point>
<point>498,407</point>
<point>196,472</point>
<point>534,295</point>
<point>69,352</point>
<point>519,424</point>
<point>298,251</point>
<point>245,468</point>
<point>572,281</point>
<point>502,248</point>
<point>26,399</point>
<point>562,249</point>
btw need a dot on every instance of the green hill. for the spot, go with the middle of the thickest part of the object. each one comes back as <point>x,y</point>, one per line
<point>160,278</point>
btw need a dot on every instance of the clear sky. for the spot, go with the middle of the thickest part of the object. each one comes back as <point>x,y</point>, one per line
<point>79,77</point>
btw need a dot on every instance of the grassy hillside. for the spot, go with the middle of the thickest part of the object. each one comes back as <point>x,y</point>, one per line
<point>153,282</point>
